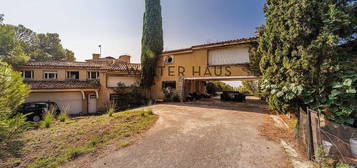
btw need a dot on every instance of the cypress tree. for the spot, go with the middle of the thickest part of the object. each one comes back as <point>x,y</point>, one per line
<point>152,41</point>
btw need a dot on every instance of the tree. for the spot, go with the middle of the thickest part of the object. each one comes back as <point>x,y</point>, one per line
<point>10,49</point>
<point>217,86</point>
<point>152,41</point>
<point>300,48</point>
<point>49,48</point>
<point>23,43</point>
<point>254,58</point>
<point>1,18</point>
<point>69,55</point>
<point>12,93</point>
<point>251,87</point>
<point>254,55</point>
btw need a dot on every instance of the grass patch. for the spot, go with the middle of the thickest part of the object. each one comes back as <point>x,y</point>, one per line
<point>61,142</point>
<point>62,117</point>
<point>47,120</point>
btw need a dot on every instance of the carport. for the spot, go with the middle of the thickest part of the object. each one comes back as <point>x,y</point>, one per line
<point>197,84</point>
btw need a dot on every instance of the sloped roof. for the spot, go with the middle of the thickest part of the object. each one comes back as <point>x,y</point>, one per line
<point>88,65</point>
<point>212,45</point>
<point>67,84</point>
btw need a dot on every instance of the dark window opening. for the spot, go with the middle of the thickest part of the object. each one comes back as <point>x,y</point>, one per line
<point>169,84</point>
<point>93,75</point>
<point>72,75</point>
<point>27,74</point>
<point>50,75</point>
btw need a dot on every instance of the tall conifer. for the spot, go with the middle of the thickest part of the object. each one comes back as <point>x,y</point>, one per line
<point>152,41</point>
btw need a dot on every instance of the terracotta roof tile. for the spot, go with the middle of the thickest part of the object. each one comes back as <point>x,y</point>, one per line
<point>68,84</point>
<point>99,66</point>
<point>216,44</point>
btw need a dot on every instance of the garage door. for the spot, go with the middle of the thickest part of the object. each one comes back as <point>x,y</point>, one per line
<point>228,56</point>
<point>72,100</point>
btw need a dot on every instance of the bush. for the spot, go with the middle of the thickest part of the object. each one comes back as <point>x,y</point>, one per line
<point>47,119</point>
<point>74,153</point>
<point>12,93</point>
<point>341,100</point>
<point>129,97</point>
<point>176,98</point>
<point>299,53</point>
<point>111,109</point>
<point>171,96</point>
<point>325,161</point>
<point>92,142</point>
<point>213,87</point>
<point>63,116</point>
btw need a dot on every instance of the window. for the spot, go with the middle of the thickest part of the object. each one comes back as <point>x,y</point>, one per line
<point>114,97</point>
<point>169,84</point>
<point>27,74</point>
<point>93,75</point>
<point>169,60</point>
<point>227,56</point>
<point>50,75</point>
<point>72,75</point>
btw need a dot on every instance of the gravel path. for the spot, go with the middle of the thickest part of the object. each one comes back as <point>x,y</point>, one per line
<point>202,135</point>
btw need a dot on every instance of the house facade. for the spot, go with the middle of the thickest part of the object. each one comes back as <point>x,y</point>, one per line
<point>82,87</point>
<point>88,87</point>
<point>187,70</point>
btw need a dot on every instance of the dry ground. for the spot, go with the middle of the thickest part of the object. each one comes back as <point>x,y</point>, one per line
<point>203,134</point>
<point>90,136</point>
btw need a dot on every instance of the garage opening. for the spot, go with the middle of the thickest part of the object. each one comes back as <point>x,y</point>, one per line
<point>70,100</point>
<point>236,89</point>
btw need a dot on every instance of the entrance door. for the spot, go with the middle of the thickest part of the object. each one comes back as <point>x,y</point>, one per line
<point>92,103</point>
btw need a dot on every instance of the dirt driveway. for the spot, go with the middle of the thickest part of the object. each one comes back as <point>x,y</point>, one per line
<point>207,134</point>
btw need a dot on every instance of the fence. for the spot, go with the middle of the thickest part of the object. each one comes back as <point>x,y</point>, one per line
<point>316,131</point>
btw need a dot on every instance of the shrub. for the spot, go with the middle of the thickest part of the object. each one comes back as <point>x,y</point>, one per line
<point>150,112</point>
<point>111,109</point>
<point>74,153</point>
<point>299,51</point>
<point>170,95</point>
<point>217,86</point>
<point>129,97</point>
<point>63,116</point>
<point>341,100</point>
<point>176,98</point>
<point>343,165</point>
<point>47,119</point>
<point>93,142</point>
<point>325,161</point>
<point>12,93</point>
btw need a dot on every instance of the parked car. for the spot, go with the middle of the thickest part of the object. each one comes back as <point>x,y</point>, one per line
<point>232,96</point>
<point>36,110</point>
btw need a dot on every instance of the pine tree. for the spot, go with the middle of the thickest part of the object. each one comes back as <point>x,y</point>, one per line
<point>152,41</point>
<point>299,46</point>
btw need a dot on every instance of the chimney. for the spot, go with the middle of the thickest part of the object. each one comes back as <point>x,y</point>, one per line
<point>96,56</point>
<point>125,58</point>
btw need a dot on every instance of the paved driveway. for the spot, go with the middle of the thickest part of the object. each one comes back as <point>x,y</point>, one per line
<point>203,135</point>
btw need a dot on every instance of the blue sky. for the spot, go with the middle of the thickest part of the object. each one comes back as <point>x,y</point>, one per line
<point>117,24</point>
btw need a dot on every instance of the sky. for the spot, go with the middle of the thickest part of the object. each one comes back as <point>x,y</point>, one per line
<point>117,24</point>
